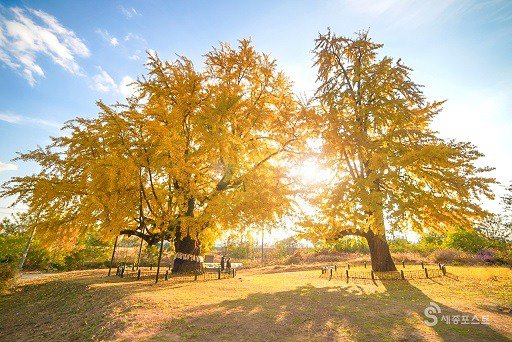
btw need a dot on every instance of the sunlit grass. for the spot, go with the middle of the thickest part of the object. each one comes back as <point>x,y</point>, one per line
<point>257,305</point>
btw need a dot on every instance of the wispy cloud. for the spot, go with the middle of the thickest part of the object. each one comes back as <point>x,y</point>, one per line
<point>103,82</point>
<point>413,13</point>
<point>128,12</point>
<point>108,37</point>
<point>7,167</point>
<point>133,36</point>
<point>26,34</point>
<point>21,119</point>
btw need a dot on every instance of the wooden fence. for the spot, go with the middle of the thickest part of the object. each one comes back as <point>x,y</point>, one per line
<point>143,273</point>
<point>334,272</point>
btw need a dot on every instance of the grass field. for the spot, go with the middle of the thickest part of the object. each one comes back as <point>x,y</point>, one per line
<point>259,304</point>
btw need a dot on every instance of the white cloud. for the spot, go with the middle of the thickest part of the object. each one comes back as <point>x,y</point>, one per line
<point>132,36</point>
<point>103,82</point>
<point>10,118</point>
<point>107,37</point>
<point>125,86</point>
<point>7,167</point>
<point>20,119</point>
<point>114,41</point>
<point>136,55</point>
<point>26,34</point>
<point>128,12</point>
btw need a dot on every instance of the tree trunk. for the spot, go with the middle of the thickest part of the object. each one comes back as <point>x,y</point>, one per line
<point>379,252</point>
<point>188,257</point>
<point>27,246</point>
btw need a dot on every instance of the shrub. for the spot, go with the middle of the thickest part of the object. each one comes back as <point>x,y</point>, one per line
<point>7,274</point>
<point>297,257</point>
<point>468,241</point>
<point>505,256</point>
<point>401,245</point>
<point>454,257</point>
<point>487,255</point>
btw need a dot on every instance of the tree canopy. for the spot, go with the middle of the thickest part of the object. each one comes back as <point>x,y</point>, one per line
<point>192,152</point>
<point>388,164</point>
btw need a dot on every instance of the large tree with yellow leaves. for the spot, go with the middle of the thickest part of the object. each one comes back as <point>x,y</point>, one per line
<point>388,164</point>
<point>189,154</point>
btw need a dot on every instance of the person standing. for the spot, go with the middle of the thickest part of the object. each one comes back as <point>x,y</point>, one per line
<point>222,261</point>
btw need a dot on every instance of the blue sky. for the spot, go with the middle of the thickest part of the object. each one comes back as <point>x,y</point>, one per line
<point>58,57</point>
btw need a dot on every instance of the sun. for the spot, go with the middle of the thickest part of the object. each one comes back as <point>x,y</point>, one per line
<point>310,172</point>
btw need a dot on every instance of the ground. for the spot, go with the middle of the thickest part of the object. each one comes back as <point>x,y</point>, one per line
<point>273,303</point>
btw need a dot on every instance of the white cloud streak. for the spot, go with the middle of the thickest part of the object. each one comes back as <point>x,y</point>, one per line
<point>7,167</point>
<point>129,12</point>
<point>108,37</point>
<point>21,119</point>
<point>26,34</point>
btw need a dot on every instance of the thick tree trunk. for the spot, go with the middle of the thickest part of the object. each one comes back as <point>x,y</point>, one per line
<point>188,257</point>
<point>379,252</point>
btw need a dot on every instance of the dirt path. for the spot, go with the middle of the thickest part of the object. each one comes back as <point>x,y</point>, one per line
<point>35,275</point>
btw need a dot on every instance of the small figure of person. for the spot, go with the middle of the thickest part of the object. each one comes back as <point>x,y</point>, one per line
<point>222,261</point>
<point>228,264</point>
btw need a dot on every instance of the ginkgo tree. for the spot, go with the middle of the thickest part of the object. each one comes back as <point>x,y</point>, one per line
<point>189,154</point>
<point>389,167</point>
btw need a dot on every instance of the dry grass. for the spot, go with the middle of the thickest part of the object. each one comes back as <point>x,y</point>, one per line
<point>261,304</point>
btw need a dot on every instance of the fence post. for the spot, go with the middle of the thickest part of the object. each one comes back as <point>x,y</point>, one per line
<point>403,263</point>
<point>138,274</point>
<point>330,277</point>
<point>150,267</point>
<point>348,265</point>
<point>422,265</point>
<point>364,262</point>
<point>122,272</point>
<point>195,275</point>
<point>335,267</point>
<point>218,273</point>
<point>402,274</point>
<point>323,269</point>
<point>373,275</point>
<point>346,272</point>
<point>233,271</point>
<point>426,272</point>
<point>444,270</point>
<point>167,275</point>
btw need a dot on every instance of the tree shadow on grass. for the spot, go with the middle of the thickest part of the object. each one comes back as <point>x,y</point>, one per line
<point>81,306</point>
<point>355,312</point>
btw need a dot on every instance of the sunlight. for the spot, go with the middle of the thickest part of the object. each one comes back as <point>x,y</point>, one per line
<point>310,172</point>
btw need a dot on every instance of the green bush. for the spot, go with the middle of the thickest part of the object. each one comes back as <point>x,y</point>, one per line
<point>349,244</point>
<point>467,241</point>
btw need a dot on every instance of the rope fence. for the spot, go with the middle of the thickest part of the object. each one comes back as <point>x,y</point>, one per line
<point>334,272</point>
<point>143,273</point>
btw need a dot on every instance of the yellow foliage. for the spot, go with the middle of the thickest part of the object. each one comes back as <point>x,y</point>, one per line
<point>190,152</point>
<point>388,163</point>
